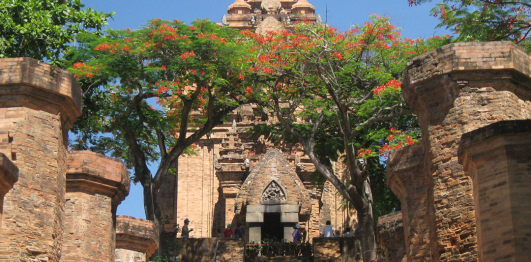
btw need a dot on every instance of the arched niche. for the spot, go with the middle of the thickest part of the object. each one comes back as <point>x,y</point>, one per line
<point>273,194</point>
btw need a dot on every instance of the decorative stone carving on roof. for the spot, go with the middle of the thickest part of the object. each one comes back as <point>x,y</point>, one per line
<point>303,7</point>
<point>241,5</point>
<point>273,193</point>
<point>271,6</point>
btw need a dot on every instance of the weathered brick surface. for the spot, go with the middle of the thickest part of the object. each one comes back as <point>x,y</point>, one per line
<point>38,103</point>
<point>337,249</point>
<point>136,239</point>
<point>274,167</point>
<point>95,185</point>
<point>8,177</point>
<point>204,249</point>
<point>391,237</point>
<point>498,159</point>
<point>456,89</point>
<point>240,13</point>
<point>209,183</point>
<point>408,180</point>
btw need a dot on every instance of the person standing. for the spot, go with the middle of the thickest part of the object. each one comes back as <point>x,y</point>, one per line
<point>297,234</point>
<point>347,233</point>
<point>227,233</point>
<point>239,232</point>
<point>328,230</point>
<point>185,233</point>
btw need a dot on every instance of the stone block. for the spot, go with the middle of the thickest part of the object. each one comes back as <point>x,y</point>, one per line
<point>254,218</point>
<point>272,208</point>
<point>289,217</point>
<point>255,234</point>
<point>290,208</point>
<point>255,208</point>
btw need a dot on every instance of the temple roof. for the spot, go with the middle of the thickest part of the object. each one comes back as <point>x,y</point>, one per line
<point>302,4</point>
<point>240,4</point>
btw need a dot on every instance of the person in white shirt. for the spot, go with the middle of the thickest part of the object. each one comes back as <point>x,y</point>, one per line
<point>328,230</point>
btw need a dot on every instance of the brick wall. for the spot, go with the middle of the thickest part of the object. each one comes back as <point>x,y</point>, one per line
<point>136,239</point>
<point>391,237</point>
<point>38,103</point>
<point>408,180</point>
<point>95,185</point>
<point>8,177</point>
<point>453,90</point>
<point>204,249</point>
<point>337,249</point>
<point>498,159</point>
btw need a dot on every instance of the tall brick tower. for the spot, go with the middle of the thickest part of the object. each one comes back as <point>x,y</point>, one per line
<point>212,188</point>
<point>268,15</point>
<point>38,104</point>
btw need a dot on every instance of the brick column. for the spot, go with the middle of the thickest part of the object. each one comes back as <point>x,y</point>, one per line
<point>8,177</point>
<point>95,185</point>
<point>136,239</point>
<point>407,179</point>
<point>391,236</point>
<point>455,89</point>
<point>498,159</point>
<point>38,103</point>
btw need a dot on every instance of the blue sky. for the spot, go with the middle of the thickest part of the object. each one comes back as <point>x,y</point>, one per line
<point>415,22</point>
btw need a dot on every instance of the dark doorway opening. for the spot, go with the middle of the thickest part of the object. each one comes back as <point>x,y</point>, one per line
<point>272,229</point>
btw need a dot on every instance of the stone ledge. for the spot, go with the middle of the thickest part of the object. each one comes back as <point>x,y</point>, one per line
<point>136,234</point>
<point>500,65</point>
<point>466,57</point>
<point>97,172</point>
<point>491,137</point>
<point>27,76</point>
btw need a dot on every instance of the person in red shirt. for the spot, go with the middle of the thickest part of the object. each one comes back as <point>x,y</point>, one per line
<point>227,233</point>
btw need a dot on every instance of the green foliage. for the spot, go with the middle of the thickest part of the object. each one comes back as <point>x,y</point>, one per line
<point>339,95</point>
<point>485,20</point>
<point>151,93</point>
<point>191,69</point>
<point>43,29</point>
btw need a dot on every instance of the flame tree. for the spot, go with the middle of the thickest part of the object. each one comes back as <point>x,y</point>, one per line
<point>485,20</point>
<point>149,94</point>
<point>335,91</point>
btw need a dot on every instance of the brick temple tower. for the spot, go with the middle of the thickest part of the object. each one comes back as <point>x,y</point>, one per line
<point>237,179</point>
<point>268,15</point>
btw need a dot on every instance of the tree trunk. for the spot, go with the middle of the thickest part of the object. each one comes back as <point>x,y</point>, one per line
<point>366,226</point>
<point>149,201</point>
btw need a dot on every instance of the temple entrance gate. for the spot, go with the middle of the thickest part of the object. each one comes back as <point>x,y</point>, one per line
<point>267,221</point>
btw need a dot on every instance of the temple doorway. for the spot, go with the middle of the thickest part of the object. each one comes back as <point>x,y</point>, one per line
<point>272,228</point>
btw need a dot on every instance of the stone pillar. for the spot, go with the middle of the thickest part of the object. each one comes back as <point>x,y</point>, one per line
<point>498,159</point>
<point>408,181</point>
<point>136,239</point>
<point>455,89</point>
<point>95,186</point>
<point>391,236</point>
<point>8,177</point>
<point>38,104</point>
